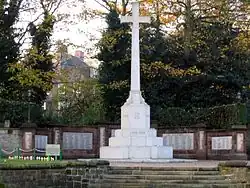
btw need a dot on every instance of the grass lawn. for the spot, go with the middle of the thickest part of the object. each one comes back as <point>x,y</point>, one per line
<point>15,163</point>
<point>37,164</point>
<point>19,161</point>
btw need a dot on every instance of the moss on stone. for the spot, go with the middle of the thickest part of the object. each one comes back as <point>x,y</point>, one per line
<point>233,164</point>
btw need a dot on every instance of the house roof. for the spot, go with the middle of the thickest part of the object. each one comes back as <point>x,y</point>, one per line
<point>73,62</point>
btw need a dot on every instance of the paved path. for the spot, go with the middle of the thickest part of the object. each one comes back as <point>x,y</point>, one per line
<point>167,164</point>
<point>197,164</point>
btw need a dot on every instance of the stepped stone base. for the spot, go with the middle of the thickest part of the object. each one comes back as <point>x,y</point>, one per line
<point>136,152</point>
<point>135,139</point>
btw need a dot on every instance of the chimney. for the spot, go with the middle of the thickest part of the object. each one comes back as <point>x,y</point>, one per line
<point>79,54</point>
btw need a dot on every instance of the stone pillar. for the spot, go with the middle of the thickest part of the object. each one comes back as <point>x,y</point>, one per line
<point>102,136</point>
<point>28,140</point>
<point>57,136</point>
<point>241,145</point>
<point>201,152</point>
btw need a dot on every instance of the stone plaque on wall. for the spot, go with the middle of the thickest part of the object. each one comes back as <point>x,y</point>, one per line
<point>72,140</point>
<point>41,141</point>
<point>222,143</point>
<point>28,140</point>
<point>240,142</point>
<point>179,141</point>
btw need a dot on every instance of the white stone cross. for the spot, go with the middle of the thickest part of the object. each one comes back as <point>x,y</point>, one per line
<point>135,19</point>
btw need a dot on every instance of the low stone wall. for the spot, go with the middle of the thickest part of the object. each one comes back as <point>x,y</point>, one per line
<point>10,138</point>
<point>194,142</point>
<point>236,170</point>
<point>67,177</point>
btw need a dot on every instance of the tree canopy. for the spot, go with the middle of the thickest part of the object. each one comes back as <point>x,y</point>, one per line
<point>194,56</point>
<point>202,62</point>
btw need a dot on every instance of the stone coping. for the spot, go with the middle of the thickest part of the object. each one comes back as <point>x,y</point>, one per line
<point>177,163</point>
<point>234,164</point>
<point>149,160</point>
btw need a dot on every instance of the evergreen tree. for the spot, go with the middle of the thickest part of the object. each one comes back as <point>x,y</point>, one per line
<point>115,55</point>
<point>35,72</point>
<point>40,58</point>
<point>114,71</point>
<point>9,12</point>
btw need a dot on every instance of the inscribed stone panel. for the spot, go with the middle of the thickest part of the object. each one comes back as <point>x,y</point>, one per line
<point>41,141</point>
<point>179,141</point>
<point>222,143</point>
<point>72,140</point>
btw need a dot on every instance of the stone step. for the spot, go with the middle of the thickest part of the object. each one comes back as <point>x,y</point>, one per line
<point>167,185</point>
<point>166,177</point>
<point>117,168</point>
<point>156,182</point>
<point>148,172</point>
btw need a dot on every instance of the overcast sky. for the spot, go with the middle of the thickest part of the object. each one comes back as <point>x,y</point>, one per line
<point>83,33</point>
<point>79,33</point>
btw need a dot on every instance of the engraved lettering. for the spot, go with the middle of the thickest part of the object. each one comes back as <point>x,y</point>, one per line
<point>137,115</point>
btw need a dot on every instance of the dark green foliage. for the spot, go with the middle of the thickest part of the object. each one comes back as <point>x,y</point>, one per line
<point>84,107</point>
<point>9,12</point>
<point>220,117</point>
<point>114,70</point>
<point>34,72</point>
<point>39,57</point>
<point>215,72</point>
<point>17,112</point>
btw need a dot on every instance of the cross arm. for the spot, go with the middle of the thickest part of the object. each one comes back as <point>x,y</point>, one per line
<point>126,19</point>
<point>129,19</point>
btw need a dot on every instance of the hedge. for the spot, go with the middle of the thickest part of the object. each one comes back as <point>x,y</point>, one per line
<point>219,117</point>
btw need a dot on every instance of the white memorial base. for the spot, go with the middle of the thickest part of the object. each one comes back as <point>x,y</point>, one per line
<point>136,152</point>
<point>135,139</point>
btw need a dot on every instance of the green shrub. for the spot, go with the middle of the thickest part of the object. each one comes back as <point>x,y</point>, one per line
<point>219,117</point>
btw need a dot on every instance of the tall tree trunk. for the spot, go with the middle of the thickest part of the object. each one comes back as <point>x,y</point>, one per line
<point>158,21</point>
<point>124,7</point>
<point>188,28</point>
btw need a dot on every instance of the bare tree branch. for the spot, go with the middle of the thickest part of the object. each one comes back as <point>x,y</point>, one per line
<point>27,29</point>
<point>57,7</point>
<point>103,4</point>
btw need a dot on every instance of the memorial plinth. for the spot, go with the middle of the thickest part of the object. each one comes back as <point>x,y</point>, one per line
<point>135,139</point>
